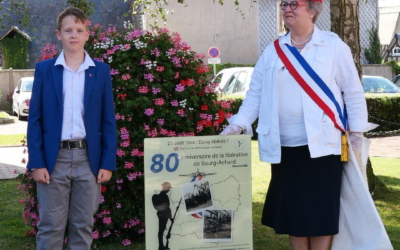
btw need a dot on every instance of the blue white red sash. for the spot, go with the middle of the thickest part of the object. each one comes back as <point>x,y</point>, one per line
<point>311,83</point>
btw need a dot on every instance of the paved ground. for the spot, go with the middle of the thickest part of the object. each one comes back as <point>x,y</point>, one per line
<point>11,157</point>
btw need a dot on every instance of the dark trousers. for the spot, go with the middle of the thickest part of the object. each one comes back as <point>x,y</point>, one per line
<point>162,225</point>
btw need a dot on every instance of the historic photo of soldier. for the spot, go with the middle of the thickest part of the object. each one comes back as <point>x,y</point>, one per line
<point>197,196</point>
<point>217,225</point>
<point>161,202</point>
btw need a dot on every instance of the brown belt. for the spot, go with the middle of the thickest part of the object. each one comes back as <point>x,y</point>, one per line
<point>73,144</point>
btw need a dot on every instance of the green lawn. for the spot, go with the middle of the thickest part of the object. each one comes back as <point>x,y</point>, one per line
<point>11,140</point>
<point>4,115</point>
<point>387,200</point>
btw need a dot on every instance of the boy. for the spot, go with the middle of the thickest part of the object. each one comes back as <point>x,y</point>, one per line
<point>72,136</point>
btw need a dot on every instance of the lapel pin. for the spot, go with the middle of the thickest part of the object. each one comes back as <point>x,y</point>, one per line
<point>90,75</point>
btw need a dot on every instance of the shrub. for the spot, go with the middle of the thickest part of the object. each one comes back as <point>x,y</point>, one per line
<point>373,52</point>
<point>160,90</point>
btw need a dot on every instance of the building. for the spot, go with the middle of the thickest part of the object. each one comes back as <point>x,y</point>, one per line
<point>43,21</point>
<point>389,29</point>
<point>242,38</point>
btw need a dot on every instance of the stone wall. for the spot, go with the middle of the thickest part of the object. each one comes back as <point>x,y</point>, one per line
<point>43,21</point>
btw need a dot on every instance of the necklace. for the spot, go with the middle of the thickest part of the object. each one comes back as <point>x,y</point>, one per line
<point>302,42</point>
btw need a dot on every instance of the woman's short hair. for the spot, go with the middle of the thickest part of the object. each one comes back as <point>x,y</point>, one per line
<point>317,6</point>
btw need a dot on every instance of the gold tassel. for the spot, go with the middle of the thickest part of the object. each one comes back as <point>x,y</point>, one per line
<point>345,148</point>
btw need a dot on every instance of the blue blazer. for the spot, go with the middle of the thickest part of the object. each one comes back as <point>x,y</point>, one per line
<point>46,116</point>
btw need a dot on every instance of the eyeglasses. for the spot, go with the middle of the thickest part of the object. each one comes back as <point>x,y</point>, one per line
<point>293,5</point>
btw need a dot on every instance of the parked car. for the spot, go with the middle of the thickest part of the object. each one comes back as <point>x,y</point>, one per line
<point>378,84</point>
<point>21,96</point>
<point>396,80</point>
<point>234,80</point>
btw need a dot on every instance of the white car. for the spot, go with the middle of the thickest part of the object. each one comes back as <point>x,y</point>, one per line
<point>21,97</point>
<point>378,85</point>
<point>233,80</point>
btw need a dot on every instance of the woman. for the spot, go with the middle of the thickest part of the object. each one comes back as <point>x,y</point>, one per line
<point>299,138</point>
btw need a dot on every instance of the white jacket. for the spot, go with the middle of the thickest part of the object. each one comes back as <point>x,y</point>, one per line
<point>331,59</point>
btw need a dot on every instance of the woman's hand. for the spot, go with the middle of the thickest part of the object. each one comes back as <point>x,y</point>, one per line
<point>356,139</point>
<point>232,129</point>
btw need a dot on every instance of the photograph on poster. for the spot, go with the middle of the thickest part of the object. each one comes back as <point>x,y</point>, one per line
<point>197,196</point>
<point>217,225</point>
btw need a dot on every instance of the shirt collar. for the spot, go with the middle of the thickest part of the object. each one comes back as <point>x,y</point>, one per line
<point>88,62</point>
<point>315,39</point>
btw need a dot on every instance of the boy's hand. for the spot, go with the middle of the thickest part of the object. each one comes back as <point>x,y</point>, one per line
<point>104,175</point>
<point>41,175</point>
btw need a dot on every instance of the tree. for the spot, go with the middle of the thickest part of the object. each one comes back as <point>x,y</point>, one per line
<point>373,52</point>
<point>86,6</point>
<point>345,23</point>
<point>17,7</point>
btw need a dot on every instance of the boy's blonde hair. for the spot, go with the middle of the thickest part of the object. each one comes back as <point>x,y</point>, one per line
<point>72,11</point>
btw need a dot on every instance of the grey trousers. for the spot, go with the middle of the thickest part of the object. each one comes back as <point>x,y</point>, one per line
<point>72,195</point>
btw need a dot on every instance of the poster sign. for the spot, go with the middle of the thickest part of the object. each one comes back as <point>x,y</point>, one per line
<point>198,192</point>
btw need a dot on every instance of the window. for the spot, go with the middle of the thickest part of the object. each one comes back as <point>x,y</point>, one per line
<point>396,51</point>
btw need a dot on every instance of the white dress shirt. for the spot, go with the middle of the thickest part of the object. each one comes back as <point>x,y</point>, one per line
<point>292,127</point>
<point>73,127</point>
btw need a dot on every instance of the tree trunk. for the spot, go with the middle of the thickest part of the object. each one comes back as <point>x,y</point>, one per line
<point>345,23</point>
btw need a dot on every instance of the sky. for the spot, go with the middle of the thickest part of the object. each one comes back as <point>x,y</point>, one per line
<point>388,3</point>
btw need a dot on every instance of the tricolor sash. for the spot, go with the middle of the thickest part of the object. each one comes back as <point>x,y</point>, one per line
<point>311,83</point>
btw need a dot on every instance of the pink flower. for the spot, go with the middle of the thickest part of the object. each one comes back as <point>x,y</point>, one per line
<point>101,200</point>
<point>225,104</point>
<point>155,90</point>
<point>160,68</point>
<point>124,133</point>
<point>106,233</point>
<point>114,72</point>
<point>149,111</point>
<point>181,112</point>
<point>171,134</point>
<point>126,77</point>
<point>120,152</point>
<point>107,220</point>
<point>155,52</point>
<point>118,205</point>
<point>174,103</point>
<point>95,234</point>
<point>128,165</point>
<point>159,101</point>
<point>143,89</point>
<point>125,144</point>
<point>132,176</point>
<point>179,88</point>
<point>126,46</point>
<point>176,75</point>
<point>135,152</point>
<point>149,77</point>
<point>160,121</point>
<point>126,242</point>
<point>153,133</point>
<point>163,30</point>
<point>176,61</point>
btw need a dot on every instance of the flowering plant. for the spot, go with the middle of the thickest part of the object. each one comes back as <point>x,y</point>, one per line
<point>160,90</point>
